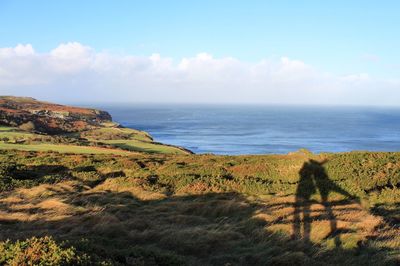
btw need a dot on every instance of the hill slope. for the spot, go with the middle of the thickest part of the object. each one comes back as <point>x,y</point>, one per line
<point>48,117</point>
<point>28,124</point>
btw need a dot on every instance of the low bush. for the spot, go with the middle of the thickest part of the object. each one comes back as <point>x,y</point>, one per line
<point>37,251</point>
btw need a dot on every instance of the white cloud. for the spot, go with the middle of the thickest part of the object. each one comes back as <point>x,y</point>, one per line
<point>71,57</point>
<point>69,50</point>
<point>76,72</point>
<point>19,50</point>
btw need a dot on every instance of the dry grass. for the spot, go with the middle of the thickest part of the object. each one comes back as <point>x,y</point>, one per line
<point>203,228</point>
<point>198,210</point>
<point>349,217</point>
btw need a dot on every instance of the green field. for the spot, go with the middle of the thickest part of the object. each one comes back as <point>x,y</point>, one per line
<point>130,139</point>
<point>63,148</point>
<point>112,132</point>
<point>14,133</point>
<point>144,146</point>
<point>120,141</point>
<point>3,128</point>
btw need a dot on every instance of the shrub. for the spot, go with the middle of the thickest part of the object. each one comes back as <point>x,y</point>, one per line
<point>36,251</point>
<point>28,126</point>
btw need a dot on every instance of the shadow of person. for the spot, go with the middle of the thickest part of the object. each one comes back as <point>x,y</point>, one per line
<point>313,178</point>
<point>325,186</point>
<point>305,189</point>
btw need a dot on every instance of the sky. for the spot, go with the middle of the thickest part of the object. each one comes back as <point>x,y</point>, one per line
<point>272,52</point>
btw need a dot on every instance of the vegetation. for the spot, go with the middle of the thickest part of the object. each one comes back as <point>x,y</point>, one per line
<point>158,209</point>
<point>104,140</point>
<point>48,118</point>
<point>28,126</point>
<point>63,148</point>
<point>38,251</point>
<point>130,139</point>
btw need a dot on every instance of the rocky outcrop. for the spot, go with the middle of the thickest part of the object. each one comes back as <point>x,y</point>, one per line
<point>47,117</point>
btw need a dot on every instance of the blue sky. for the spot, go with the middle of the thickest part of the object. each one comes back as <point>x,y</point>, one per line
<point>338,37</point>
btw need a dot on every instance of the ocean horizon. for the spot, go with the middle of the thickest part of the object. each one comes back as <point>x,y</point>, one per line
<point>263,129</point>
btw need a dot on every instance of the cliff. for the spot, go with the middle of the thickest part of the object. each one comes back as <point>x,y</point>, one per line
<point>47,117</point>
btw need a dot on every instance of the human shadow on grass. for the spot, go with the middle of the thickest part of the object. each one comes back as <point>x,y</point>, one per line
<point>314,179</point>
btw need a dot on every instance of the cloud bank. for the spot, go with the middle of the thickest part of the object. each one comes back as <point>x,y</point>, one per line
<point>74,72</point>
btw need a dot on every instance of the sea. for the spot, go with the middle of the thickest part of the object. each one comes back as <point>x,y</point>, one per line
<point>259,129</point>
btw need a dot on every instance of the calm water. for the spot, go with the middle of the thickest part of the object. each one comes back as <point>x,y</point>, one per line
<point>264,129</point>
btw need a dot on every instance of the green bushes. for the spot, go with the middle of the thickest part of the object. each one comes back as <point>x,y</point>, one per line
<point>14,175</point>
<point>37,251</point>
<point>364,172</point>
<point>359,173</point>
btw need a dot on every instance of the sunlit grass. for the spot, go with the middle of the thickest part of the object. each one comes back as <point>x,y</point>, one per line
<point>62,148</point>
<point>124,140</point>
<point>130,139</point>
<point>144,146</point>
<point>14,133</point>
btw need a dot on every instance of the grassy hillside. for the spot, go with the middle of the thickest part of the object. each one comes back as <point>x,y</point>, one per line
<point>49,118</point>
<point>130,139</point>
<point>298,209</point>
<point>63,148</point>
<point>108,139</point>
<point>32,125</point>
